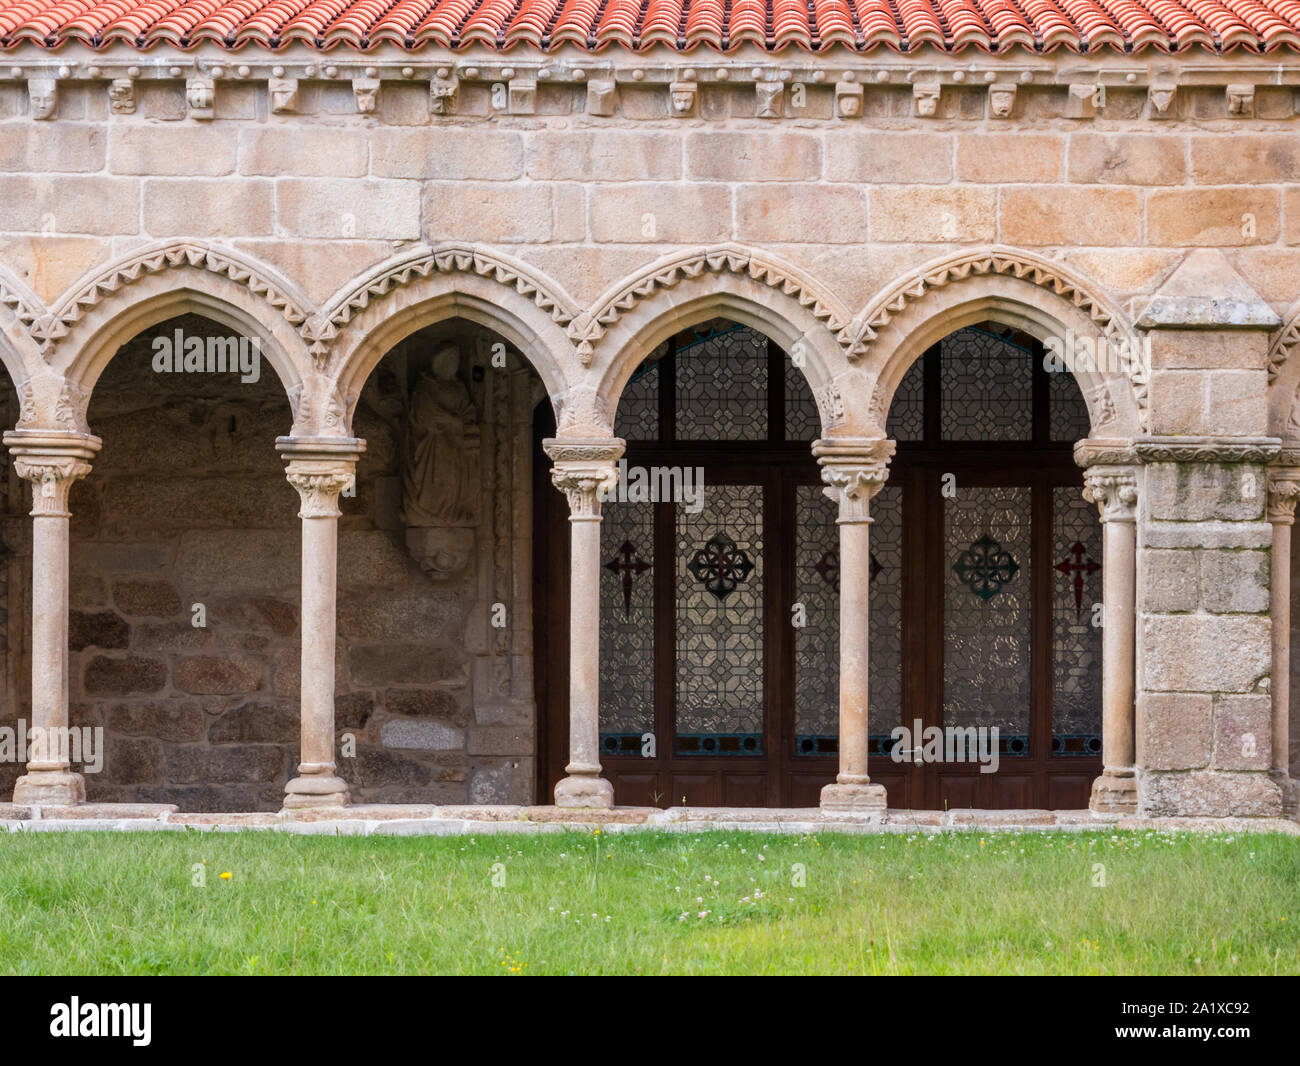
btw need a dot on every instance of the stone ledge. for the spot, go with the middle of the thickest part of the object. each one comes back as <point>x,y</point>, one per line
<point>429,820</point>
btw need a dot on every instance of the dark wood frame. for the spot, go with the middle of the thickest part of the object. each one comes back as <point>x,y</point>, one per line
<point>780,777</point>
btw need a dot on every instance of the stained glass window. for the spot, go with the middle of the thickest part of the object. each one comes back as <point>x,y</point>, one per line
<point>722,387</point>
<point>637,417</point>
<point>719,623</point>
<point>626,626</point>
<point>986,645</point>
<point>985,388</point>
<point>802,421</point>
<point>1067,412</point>
<point>906,420</point>
<point>1076,639</point>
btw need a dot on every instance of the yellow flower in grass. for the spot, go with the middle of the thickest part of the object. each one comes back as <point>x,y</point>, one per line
<point>225,875</point>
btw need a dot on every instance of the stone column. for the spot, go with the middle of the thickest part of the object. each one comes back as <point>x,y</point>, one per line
<point>1114,491</point>
<point>583,470</point>
<point>319,469</point>
<point>51,462</point>
<point>1283,491</point>
<point>854,471</point>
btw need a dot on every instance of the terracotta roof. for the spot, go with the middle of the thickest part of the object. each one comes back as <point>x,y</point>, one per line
<point>683,25</point>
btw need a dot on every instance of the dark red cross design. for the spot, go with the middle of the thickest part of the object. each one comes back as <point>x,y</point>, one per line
<point>1079,564</point>
<point>627,564</point>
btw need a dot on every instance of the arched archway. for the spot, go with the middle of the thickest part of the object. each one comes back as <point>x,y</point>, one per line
<point>986,639</point>
<point>718,527</point>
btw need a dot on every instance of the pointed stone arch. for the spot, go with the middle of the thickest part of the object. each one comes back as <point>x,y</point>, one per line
<point>116,302</point>
<point>757,289</point>
<point>24,321</point>
<point>1017,289</point>
<point>426,285</point>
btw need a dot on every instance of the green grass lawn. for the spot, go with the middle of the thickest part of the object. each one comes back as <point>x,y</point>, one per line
<point>649,902</point>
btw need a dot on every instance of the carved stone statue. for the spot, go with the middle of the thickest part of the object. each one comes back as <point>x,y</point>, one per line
<point>440,468</point>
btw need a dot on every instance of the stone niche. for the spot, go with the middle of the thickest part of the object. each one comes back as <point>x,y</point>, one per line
<point>188,505</point>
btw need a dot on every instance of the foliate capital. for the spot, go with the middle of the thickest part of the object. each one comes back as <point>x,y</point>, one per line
<point>854,470</point>
<point>584,470</point>
<point>1283,491</point>
<point>1114,491</point>
<point>51,461</point>
<point>319,486</point>
<point>51,480</point>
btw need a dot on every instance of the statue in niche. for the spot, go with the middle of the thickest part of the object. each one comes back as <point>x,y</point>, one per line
<point>440,467</point>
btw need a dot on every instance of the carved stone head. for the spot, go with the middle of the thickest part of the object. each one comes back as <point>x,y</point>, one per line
<point>442,94</point>
<point>200,94</point>
<point>44,96</point>
<point>683,97</point>
<point>1002,98</point>
<point>926,96</point>
<point>284,94</point>
<point>121,96</point>
<point>1241,100</point>
<point>446,361</point>
<point>365,91</point>
<point>770,97</point>
<point>848,99</point>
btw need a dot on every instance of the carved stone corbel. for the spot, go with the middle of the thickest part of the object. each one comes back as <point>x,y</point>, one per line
<point>365,91</point>
<point>200,98</point>
<point>43,97</point>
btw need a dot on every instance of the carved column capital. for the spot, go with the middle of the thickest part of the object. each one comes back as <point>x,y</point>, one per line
<point>51,462</point>
<point>320,469</point>
<point>854,470</point>
<point>584,470</point>
<point>1114,490</point>
<point>1283,491</point>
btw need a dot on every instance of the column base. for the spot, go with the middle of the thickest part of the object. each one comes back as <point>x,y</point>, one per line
<point>308,792</point>
<point>584,791</point>
<point>54,788</point>
<point>838,797</point>
<point>1115,792</point>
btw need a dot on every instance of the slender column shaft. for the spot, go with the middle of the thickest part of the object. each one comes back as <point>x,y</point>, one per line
<point>1114,490</point>
<point>320,471</point>
<point>51,462</point>
<point>320,580</point>
<point>854,470</point>
<point>1281,618</point>
<point>583,470</point>
<point>1283,492</point>
<point>1119,590</point>
<point>855,578</point>
<point>584,645</point>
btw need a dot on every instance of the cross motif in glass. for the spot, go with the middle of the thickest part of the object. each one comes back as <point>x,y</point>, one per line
<point>828,566</point>
<point>721,565</point>
<point>627,564</point>
<point>984,567</point>
<point>1080,565</point>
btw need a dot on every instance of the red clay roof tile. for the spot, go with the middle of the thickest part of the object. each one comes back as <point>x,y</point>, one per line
<point>685,25</point>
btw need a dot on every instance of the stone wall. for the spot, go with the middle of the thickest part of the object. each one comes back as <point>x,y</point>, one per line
<point>324,191</point>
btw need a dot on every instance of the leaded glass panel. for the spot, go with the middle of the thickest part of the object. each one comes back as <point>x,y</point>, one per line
<point>986,637</point>
<point>906,419</point>
<point>719,623</point>
<point>1076,640</point>
<point>1067,412</point>
<point>626,626</point>
<point>637,417</point>
<point>985,388</point>
<point>802,422</point>
<point>722,387</point>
